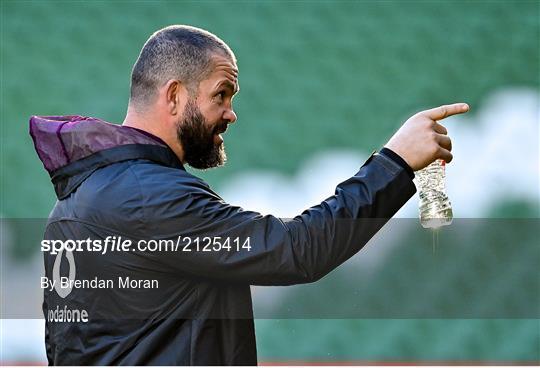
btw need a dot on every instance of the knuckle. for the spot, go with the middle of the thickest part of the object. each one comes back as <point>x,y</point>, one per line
<point>427,123</point>
<point>415,118</point>
<point>444,111</point>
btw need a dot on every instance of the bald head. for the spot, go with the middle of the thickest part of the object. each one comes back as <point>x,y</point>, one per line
<point>176,52</point>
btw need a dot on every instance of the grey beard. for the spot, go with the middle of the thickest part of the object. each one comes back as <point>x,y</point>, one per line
<point>197,140</point>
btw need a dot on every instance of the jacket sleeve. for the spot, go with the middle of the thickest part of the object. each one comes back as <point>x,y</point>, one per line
<point>283,251</point>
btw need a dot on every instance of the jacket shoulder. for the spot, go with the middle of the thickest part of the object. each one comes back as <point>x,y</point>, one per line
<point>125,195</point>
<point>169,193</point>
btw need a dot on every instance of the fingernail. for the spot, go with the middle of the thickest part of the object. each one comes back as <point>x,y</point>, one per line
<point>465,107</point>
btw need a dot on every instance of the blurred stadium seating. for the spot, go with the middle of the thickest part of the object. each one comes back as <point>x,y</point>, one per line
<point>314,76</point>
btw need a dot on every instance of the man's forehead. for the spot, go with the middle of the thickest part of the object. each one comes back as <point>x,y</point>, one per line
<point>225,64</point>
<point>225,69</point>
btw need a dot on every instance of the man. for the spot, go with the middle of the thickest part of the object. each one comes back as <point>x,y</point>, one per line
<point>191,304</point>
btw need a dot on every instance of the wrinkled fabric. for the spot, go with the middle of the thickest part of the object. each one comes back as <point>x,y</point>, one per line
<point>112,180</point>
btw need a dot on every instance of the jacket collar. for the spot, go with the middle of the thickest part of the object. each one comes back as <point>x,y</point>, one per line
<point>73,147</point>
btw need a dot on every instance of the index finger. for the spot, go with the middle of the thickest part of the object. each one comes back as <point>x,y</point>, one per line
<point>444,111</point>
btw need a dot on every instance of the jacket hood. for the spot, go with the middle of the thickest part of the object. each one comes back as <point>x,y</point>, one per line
<point>72,147</point>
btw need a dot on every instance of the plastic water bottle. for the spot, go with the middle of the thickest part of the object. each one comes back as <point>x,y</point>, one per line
<point>435,208</point>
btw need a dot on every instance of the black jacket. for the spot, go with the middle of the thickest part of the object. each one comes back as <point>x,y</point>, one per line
<point>118,181</point>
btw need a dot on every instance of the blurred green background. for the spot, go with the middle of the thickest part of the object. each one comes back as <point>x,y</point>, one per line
<point>314,76</point>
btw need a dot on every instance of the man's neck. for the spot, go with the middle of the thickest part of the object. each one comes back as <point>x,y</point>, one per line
<point>144,121</point>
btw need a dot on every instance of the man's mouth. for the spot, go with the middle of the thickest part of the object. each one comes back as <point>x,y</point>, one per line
<point>218,138</point>
<point>221,129</point>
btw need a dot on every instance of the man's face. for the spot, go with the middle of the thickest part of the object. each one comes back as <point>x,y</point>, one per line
<point>207,116</point>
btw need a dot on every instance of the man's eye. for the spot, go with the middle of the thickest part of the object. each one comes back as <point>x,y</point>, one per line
<point>220,97</point>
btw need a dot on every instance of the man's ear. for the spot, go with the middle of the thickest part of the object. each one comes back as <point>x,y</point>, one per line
<point>176,95</point>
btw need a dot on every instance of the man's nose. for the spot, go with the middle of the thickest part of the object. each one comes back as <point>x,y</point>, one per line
<point>230,116</point>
